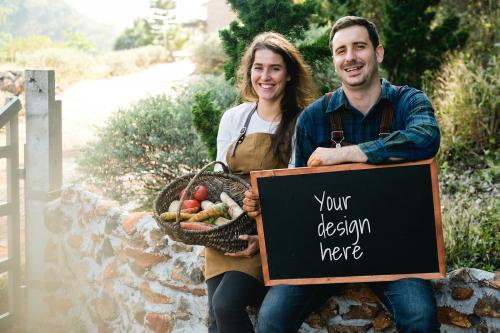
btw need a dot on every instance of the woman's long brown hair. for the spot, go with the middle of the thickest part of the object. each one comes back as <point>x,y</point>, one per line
<point>299,92</point>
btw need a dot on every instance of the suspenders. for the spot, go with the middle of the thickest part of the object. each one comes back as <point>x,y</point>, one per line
<point>337,133</point>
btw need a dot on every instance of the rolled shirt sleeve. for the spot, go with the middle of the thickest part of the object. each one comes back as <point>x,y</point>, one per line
<point>419,139</point>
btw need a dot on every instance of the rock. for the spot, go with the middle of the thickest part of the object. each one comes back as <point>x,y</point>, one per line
<point>449,316</point>
<point>181,247</point>
<point>75,241</point>
<point>152,296</point>
<point>359,292</point>
<point>329,310</point>
<point>382,322</point>
<point>182,312</point>
<point>488,306</point>
<point>185,289</point>
<point>461,294</point>
<point>139,316</point>
<point>104,206</point>
<point>460,275</point>
<point>144,259</point>
<point>54,219</point>
<point>110,271</point>
<point>105,307</point>
<point>315,321</point>
<point>130,222</point>
<point>107,248</point>
<point>363,311</point>
<point>337,328</point>
<point>159,323</point>
<point>69,195</point>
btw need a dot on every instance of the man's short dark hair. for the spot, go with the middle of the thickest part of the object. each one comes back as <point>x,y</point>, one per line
<point>349,21</point>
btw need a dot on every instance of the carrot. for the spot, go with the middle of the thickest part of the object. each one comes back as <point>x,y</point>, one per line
<point>171,216</point>
<point>234,209</point>
<point>196,226</point>
<point>215,211</point>
<point>192,210</point>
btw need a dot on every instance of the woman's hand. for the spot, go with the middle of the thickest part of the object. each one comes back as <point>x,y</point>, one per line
<point>250,251</point>
<point>251,203</point>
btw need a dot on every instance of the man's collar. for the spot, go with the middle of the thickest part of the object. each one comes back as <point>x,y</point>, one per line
<point>340,99</point>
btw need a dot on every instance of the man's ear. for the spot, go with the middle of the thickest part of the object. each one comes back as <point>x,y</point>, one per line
<point>379,53</point>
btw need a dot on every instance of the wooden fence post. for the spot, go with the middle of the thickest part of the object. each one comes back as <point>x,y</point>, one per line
<point>43,167</point>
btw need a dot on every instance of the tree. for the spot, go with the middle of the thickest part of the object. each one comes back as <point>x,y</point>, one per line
<point>141,34</point>
<point>416,43</point>
<point>256,16</point>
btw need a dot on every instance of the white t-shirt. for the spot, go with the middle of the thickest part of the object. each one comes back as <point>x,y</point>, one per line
<point>232,122</point>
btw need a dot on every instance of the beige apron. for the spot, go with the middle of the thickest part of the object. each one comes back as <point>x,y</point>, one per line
<point>252,154</point>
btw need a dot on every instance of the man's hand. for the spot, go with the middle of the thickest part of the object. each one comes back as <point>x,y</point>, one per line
<point>251,203</point>
<point>331,156</point>
<point>250,251</point>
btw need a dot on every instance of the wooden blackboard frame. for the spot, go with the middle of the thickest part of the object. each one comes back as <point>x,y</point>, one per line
<point>255,175</point>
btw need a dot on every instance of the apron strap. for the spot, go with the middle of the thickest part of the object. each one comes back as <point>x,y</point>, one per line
<point>243,131</point>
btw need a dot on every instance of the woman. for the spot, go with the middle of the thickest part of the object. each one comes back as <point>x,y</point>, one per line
<point>277,85</point>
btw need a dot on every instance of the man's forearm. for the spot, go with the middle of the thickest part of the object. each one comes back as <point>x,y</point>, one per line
<point>332,156</point>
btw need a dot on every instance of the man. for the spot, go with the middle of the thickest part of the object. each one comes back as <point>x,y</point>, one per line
<point>359,107</point>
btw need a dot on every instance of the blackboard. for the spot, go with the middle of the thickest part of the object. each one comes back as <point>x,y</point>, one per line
<point>350,223</point>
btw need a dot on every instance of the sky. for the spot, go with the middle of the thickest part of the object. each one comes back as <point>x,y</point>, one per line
<point>121,13</point>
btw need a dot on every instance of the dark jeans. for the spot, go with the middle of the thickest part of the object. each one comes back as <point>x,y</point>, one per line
<point>410,301</point>
<point>229,294</point>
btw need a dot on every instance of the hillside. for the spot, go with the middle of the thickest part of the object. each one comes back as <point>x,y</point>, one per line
<point>52,18</point>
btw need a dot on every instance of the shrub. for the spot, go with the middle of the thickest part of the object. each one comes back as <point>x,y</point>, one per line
<point>72,64</point>
<point>141,149</point>
<point>471,215</point>
<point>213,95</point>
<point>466,102</point>
<point>207,54</point>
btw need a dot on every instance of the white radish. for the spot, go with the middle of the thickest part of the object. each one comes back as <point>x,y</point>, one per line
<point>221,221</point>
<point>234,209</point>
<point>174,206</point>
<point>206,204</point>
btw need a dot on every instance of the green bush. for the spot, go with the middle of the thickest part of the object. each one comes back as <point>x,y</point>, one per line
<point>212,96</point>
<point>465,96</point>
<point>207,54</point>
<point>141,149</point>
<point>471,215</point>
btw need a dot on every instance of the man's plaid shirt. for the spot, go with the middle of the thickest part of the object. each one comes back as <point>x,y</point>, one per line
<point>415,131</point>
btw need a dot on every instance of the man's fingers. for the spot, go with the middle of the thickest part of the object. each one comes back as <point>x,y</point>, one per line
<point>313,162</point>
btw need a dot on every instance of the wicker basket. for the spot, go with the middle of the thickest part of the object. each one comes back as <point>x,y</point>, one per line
<point>223,238</point>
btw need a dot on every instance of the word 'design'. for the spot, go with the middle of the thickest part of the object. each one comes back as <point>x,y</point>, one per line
<point>350,223</point>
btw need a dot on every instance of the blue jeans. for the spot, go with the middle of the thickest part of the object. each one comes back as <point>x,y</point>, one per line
<point>410,301</point>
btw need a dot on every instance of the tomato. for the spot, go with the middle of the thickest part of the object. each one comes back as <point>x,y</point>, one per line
<point>188,195</point>
<point>187,204</point>
<point>200,193</point>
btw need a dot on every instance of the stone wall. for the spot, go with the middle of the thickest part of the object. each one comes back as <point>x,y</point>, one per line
<point>12,82</point>
<point>108,270</point>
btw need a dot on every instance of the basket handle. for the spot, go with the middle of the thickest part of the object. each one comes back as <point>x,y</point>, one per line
<point>188,187</point>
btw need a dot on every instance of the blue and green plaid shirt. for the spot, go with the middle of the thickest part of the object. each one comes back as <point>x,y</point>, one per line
<point>415,131</point>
